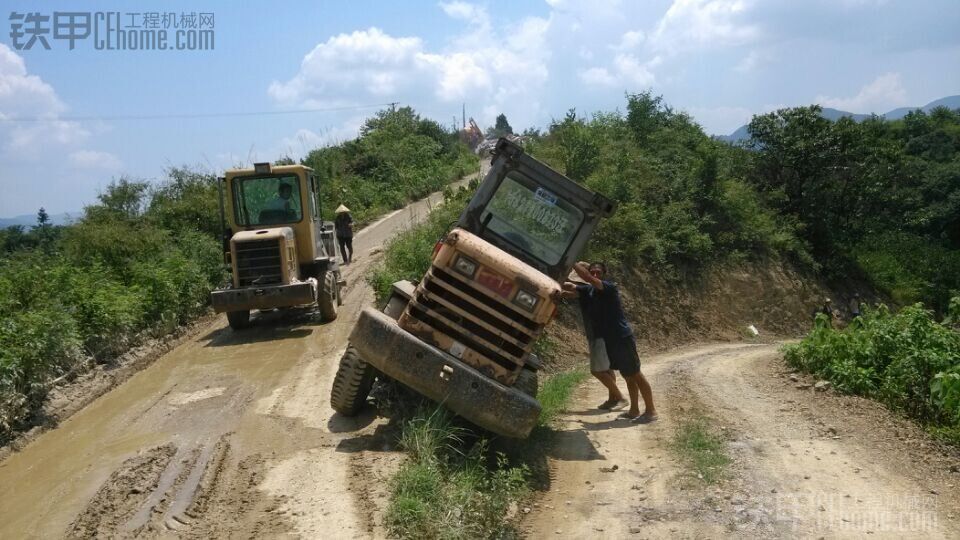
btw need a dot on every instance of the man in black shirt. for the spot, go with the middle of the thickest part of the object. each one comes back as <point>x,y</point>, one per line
<point>603,314</point>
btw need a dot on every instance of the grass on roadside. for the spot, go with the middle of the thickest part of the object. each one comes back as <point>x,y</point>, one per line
<point>555,394</point>
<point>454,485</point>
<point>698,445</point>
<point>447,489</point>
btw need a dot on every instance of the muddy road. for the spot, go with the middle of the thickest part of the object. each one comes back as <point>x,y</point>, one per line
<point>228,435</point>
<point>231,435</point>
<point>805,464</point>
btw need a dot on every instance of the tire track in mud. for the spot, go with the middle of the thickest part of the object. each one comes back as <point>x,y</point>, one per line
<point>119,498</point>
<point>228,435</point>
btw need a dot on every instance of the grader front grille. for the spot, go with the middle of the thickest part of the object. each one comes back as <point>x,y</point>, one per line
<point>489,335</point>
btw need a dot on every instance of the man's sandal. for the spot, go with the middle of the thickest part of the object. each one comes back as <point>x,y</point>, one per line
<point>611,404</point>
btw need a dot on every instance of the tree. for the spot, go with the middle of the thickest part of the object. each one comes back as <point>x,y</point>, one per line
<point>501,127</point>
<point>578,150</point>
<point>43,219</point>
<point>123,199</point>
<point>187,200</point>
<point>43,230</point>
<point>645,114</point>
<point>16,238</point>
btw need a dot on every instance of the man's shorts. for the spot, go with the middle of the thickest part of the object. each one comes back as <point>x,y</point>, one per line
<point>623,356</point>
<point>599,361</point>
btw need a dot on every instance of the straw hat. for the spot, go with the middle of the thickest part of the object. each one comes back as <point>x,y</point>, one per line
<point>341,209</point>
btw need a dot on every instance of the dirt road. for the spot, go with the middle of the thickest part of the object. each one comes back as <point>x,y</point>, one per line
<point>805,464</point>
<point>228,435</point>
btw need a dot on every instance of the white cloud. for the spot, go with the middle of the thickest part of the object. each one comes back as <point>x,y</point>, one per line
<point>885,92</point>
<point>23,95</point>
<point>93,159</point>
<point>598,76</point>
<point>466,12</point>
<point>334,71</point>
<point>691,24</point>
<point>484,66</point>
<point>754,60</point>
<point>626,71</point>
<point>304,140</point>
<point>629,41</point>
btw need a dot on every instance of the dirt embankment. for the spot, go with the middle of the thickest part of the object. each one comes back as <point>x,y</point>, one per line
<point>719,303</point>
<point>715,305</point>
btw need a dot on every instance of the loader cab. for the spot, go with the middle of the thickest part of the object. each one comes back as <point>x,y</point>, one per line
<point>268,197</point>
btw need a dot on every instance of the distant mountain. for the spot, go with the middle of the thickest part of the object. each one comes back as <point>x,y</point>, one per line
<point>952,102</point>
<point>29,220</point>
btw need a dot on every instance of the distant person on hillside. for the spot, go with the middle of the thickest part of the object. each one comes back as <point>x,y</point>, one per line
<point>612,345</point>
<point>855,306</point>
<point>344,226</point>
<point>826,309</point>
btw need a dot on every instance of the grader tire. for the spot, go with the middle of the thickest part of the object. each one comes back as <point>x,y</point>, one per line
<point>527,382</point>
<point>327,296</point>
<point>352,384</point>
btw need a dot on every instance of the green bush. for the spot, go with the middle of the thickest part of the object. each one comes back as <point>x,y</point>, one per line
<point>35,346</point>
<point>106,312</point>
<point>906,360</point>
<point>911,268</point>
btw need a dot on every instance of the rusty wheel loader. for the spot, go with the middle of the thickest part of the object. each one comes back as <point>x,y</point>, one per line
<point>463,335</point>
<point>280,251</point>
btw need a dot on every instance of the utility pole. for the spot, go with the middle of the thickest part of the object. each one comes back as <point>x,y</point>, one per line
<point>463,118</point>
<point>393,106</point>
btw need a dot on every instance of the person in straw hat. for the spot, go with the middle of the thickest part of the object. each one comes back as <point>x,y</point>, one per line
<point>344,226</point>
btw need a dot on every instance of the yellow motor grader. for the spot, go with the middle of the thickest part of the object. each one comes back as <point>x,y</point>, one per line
<point>463,335</point>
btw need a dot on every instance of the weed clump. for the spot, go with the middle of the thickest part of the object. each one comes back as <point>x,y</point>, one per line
<point>697,443</point>
<point>447,489</point>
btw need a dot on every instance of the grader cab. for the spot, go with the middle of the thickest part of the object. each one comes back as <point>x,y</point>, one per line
<point>463,335</point>
<point>280,251</point>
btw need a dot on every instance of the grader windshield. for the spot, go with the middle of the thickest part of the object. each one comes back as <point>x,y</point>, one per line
<point>532,218</point>
<point>267,200</point>
<point>532,212</point>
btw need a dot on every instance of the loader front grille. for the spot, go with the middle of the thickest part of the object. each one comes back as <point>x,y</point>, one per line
<point>258,263</point>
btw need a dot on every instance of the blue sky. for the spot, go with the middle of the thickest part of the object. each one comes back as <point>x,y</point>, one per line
<point>720,60</point>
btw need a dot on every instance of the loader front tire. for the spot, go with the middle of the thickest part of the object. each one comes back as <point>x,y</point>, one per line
<point>352,384</point>
<point>328,296</point>
<point>239,319</point>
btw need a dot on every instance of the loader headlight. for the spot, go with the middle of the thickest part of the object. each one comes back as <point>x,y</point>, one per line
<point>465,266</point>
<point>526,300</point>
